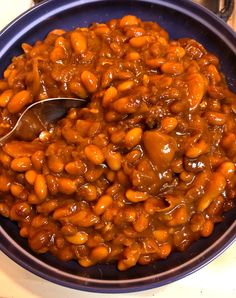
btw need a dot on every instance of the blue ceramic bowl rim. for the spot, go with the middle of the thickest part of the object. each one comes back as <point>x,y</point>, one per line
<point>28,261</point>
<point>192,9</point>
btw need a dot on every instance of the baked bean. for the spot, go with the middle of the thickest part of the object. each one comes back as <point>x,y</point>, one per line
<point>83,126</point>
<point>75,168</point>
<point>65,254</point>
<point>199,148</point>
<point>117,50</point>
<point>118,137</point>
<point>79,42</point>
<point>215,187</point>
<point>129,21</point>
<point>77,89</point>
<point>132,255</point>
<point>227,169</point>
<point>133,156</point>
<point>94,174</point>
<point>215,118</point>
<point>177,51</point>
<point>125,86</point>
<point>155,62</point>
<point>151,205</point>
<point>55,164</point>
<point>17,149</point>
<point>197,221</point>
<point>5,98</point>
<point>24,232</point>
<point>177,165</point>
<point>207,228</point>
<point>136,196</point>
<point>69,230</point>
<point>114,160</point>
<point>133,56</point>
<point>38,160</point>
<point>78,239</point>
<point>52,184</point>
<point>213,73</point>
<point>134,31</point>
<point>109,96</point>
<point>110,175</point>
<point>138,42</point>
<point>64,211</point>
<point>198,186</point>
<point>20,211</point>
<point>172,68</point>
<point>5,183</point>
<point>85,262</point>
<point>40,187</point>
<point>33,199</point>
<point>88,192</point>
<point>228,141</point>
<point>146,168</point>
<point>130,215</point>
<point>61,42</point>
<point>133,137</point>
<point>30,176</point>
<point>112,116</point>
<point>5,160</point>
<point>19,101</point>
<point>197,86</point>
<point>102,29</point>
<point>164,250</point>
<point>94,154</point>
<point>186,177</point>
<point>99,253</point>
<point>57,54</point>
<point>17,190</point>
<point>107,78</point>
<point>180,216</point>
<point>83,218</point>
<point>141,224</point>
<point>161,235</point>
<point>40,240</point>
<point>103,202</point>
<point>60,243</point>
<point>66,186</point>
<point>95,240</point>
<point>179,107</point>
<point>125,105</point>
<point>101,140</point>
<point>57,32</point>
<point>169,124</point>
<point>3,86</point>
<point>215,208</point>
<point>22,164</point>
<point>47,206</point>
<point>89,80</point>
<point>39,221</point>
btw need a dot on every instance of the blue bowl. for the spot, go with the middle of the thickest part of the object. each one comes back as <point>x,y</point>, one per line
<point>180,18</point>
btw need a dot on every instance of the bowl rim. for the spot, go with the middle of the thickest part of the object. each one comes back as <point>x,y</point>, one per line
<point>220,28</point>
<point>8,245</point>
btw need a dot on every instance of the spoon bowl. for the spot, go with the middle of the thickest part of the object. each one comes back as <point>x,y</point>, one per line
<point>39,115</point>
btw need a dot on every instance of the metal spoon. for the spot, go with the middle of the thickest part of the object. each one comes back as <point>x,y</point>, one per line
<point>39,115</point>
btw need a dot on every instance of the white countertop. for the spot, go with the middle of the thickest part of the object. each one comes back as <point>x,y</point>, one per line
<point>215,280</point>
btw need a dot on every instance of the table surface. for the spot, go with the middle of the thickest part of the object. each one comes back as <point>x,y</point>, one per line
<point>216,280</point>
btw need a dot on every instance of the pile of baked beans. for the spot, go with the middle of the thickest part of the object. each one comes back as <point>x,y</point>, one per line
<point>146,168</point>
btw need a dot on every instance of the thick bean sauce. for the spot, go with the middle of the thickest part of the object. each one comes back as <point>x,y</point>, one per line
<point>146,168</point>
